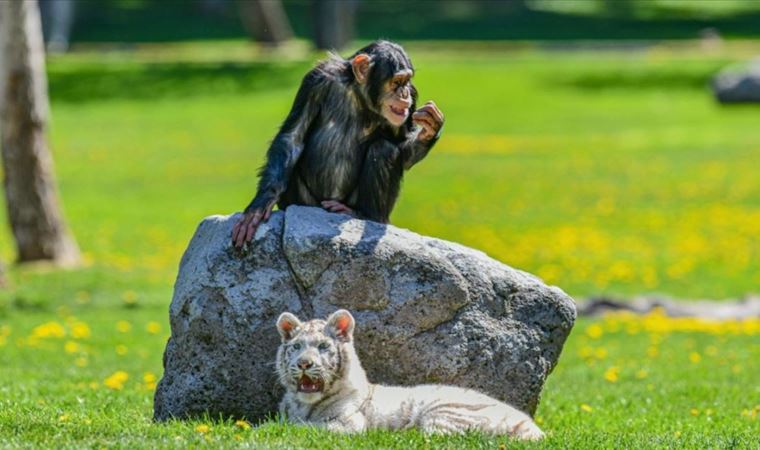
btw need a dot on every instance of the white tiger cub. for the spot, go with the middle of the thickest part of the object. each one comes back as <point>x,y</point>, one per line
<point>326,385</point>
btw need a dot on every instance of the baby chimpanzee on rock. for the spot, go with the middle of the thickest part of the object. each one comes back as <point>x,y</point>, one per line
<point>347,140</point>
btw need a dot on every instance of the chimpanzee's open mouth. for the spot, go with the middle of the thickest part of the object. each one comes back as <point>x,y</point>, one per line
<point>398,111</point>
<point>308,385</point>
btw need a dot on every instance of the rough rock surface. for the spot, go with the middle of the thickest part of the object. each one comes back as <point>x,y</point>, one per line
<point>732,86</point>
<point>427,311</point>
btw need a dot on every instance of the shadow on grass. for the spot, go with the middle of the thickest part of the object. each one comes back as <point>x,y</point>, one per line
<point>95,82</point>
<point>639,79</point>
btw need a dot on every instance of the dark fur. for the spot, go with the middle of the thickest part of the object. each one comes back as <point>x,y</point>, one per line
<point>335,144</point>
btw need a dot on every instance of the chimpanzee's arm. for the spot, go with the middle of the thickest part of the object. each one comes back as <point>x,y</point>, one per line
<point>287,145</point>
<point>282,157</point>
<point>415,150</point>
<point>430,119</point>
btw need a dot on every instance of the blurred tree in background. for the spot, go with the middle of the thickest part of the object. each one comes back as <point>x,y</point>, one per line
<point>57,20</point>
<point>265,21</point>
<point>332,23</point>
<point>31,197</point>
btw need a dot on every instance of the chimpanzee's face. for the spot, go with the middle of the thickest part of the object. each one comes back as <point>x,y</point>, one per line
<point>396,98</point>
<point>385,72</point>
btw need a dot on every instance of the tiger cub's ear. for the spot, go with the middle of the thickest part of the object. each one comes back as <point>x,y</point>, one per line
<point>341,325</point>
<point>287,325</point>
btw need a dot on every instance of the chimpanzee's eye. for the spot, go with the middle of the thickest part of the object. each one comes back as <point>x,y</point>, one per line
<point>323,346</point>
<point>296,346</point>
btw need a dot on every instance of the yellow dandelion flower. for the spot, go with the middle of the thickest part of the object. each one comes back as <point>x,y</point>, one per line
<point>123,326</point>
<point>202,428</point>
<point>71,347</point>
<point>594,331</point>
<point>129,298</point>
<point>694,412</point>
<point>150,381</point>
<point>121,350</point>
<point>153,327</point>
<point>586,352</point>
<point>612,374</point>
<point>80,330</point>
<point>600,353</point>
<point>695,357</point>
<point>242,424</point>
<point>649,277</point>
<point>63,418</point>
<point>116,380</point>
<point>586,408</point>
<point>49,330</point>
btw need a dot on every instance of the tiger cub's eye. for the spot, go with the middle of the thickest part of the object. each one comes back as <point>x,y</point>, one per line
<point>323,346</point>
<point>296,346</point>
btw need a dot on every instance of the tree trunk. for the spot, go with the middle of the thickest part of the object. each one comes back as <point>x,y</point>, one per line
<point>57,21</point>
<point>333,23</point>
<point>265,21</point>
<point>31,197</point>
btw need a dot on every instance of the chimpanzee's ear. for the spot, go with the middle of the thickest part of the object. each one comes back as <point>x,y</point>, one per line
<point>361,64</point>
<point>341,325</point>
<point>287,324</point>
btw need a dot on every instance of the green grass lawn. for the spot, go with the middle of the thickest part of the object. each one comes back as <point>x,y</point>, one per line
<point>608,172</point>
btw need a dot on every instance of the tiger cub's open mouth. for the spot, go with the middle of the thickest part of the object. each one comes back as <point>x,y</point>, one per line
<point>308,385</point>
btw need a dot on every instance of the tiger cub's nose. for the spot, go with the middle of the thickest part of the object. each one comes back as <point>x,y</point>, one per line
<point>304,364</point>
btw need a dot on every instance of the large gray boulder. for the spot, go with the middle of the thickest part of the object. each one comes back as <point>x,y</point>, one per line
<point>428,311</point>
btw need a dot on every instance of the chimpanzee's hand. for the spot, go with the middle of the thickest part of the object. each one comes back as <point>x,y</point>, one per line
<point>244,230</point>
<point>337,207</point>
<point>430,118</point>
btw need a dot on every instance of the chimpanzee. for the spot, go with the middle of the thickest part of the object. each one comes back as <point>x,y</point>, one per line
<point>347,140</point>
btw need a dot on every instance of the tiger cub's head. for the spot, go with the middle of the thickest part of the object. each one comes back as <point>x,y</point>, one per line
<point>314,356</point>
